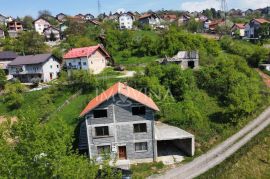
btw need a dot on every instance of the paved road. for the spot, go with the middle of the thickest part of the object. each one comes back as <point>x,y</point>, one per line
<point>215,156</point>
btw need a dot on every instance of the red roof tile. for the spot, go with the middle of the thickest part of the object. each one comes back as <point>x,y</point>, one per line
<point>261,20</point>
<point>84,52</point>
<point>240,26</point>
<point>120,88</point>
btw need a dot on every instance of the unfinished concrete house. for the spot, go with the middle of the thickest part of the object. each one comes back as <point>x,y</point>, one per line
<point>121,122</point>
<point>185,59</point>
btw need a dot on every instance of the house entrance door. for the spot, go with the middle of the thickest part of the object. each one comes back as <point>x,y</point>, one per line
<point>122,152</point>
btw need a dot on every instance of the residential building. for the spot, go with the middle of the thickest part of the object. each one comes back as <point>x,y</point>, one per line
<point>15,26</point>
<point>121,122</point>
<point>2,33</point>
<point>183,19</point>
<point>238,30</point>
<point>61,17</point>
<point>3,20</point>
<point>88,16</point>
<point>93,58</point>
<point>81,16</point>
<point>212,27</point>
<point>126,21</point>
<point>5,58</point>
<point>52,34</point>
<point>40,24</point>
<point>45,67</point>
<point>266,11</point>
<point>169,17</point>
<point>151,19</point>
<point>185,59</point>
<point>253,26</point>
<point>113,17</point>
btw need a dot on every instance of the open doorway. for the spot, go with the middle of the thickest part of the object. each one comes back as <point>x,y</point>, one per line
<point>122,151</point>
<point>191,64</point>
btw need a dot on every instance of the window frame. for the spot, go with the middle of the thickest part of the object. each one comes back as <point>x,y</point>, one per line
<point>105,131</point>
<point>105,116</point>
<point>140,128</point>
<point>141,146</point>
<point>99,151</point>
<point>139,114</point>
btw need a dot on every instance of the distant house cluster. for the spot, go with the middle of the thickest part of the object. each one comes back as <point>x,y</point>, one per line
<point>46,67</point>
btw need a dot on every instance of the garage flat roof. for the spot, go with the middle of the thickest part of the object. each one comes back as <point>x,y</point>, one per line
<point>167,132</point>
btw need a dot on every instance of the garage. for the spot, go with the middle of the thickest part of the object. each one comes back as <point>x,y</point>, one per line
<point>171,140</point>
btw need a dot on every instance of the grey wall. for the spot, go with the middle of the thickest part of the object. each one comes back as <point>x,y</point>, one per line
<point>121,132</point>
<point>186,145</point>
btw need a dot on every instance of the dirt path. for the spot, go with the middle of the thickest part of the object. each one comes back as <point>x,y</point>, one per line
<point>217,155</point>
<point>265,77</point>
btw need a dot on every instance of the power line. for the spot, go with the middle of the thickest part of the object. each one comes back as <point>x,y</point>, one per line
<point>99,7</point>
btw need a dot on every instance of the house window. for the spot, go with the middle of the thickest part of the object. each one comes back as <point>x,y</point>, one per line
<point>103,149</point>
<point>79,63</point>
<point>84,63</point>
<point>102,131</point>
<point>139,110</point>
<point>100,113</point>
<point>69,64</point>
<point>141,146</point>
<point>51,66</point>
<point>139,128</point>
<point>57,66</point>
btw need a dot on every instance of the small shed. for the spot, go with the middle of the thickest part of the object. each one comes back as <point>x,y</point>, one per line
<point>169,137</point>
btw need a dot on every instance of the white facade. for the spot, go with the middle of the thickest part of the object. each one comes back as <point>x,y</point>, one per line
<point>46,71</point>
<point>96,63</point>
<point>125,21</point>
<point>40,25</point>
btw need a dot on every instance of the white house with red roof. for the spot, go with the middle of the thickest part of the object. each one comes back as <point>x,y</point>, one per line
<point>238,29</point>
<point>93,58</point>
<point>252,27</point>
<point>121,122</point>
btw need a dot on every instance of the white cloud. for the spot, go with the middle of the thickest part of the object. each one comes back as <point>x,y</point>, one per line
<point>253,4</point>
<point>200,5</point>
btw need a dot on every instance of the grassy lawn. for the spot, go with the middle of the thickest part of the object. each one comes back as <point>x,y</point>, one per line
<point>251,161</point>
<point>144,170</point>
<point>134,61</point>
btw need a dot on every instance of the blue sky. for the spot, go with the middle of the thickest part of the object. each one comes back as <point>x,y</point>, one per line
<point>72,7</point>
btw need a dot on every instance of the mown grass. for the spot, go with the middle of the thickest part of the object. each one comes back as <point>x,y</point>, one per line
<point>251,161</point>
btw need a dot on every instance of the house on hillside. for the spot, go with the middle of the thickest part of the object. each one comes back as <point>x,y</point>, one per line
<point>81,16</point>
<point>40,24</point>
<point>151,19</point>
<point>121,122</point>
<point>183,19</point>
<point>5,58</point>
<point>61,17</point>
<point>2,33</point>
<point>238,30</point>
<point>93,58</point>
<point>88,16</point>
<point>3,20</point>
<point>44,67</point>
<point>253,26</point>
<point>126,21</point>
<point>14,27</point>
<point>169,17</point>
<point>52,34</point>
<point>185,59</point>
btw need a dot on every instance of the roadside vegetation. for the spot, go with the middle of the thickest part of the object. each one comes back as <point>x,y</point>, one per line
<point>251,161</point>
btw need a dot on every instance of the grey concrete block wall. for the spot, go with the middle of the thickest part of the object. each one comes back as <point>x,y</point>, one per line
<point>120,122</point>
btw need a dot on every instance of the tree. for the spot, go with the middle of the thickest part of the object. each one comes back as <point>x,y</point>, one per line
<point>264,32</point>
<point>3,79</point>
<point>44,13</point>
<point>13,95</point>
<point>194,26</point>
<point>30,42</point>
<point>28,22</point>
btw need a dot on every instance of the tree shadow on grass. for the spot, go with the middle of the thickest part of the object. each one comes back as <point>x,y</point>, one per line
<point>219,118</point>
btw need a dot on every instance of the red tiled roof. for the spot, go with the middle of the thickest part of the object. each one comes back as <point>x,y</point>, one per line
<point>240,26</point>
<point>261,20</point>
<point>84,52</point>
<point>120,88</point>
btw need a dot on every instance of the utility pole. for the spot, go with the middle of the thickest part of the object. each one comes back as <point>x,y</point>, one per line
<point>224,7</point>
<point>99,7</point>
